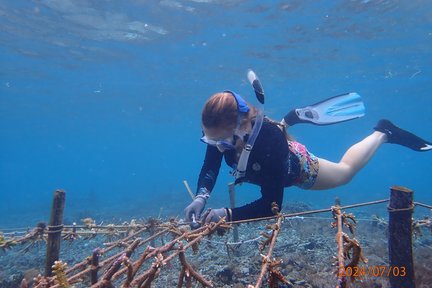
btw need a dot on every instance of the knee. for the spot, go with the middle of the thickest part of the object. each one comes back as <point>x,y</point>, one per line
<point>345,180</point>
<point>346,174</point>
<point>342,175</point>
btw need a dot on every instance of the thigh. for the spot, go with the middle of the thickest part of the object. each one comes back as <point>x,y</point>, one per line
<point>331,175</point>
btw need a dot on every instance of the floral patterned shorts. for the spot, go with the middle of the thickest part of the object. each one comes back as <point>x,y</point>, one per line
<point>309,165</point>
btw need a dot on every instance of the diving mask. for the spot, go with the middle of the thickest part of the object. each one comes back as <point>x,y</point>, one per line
<point>227,143</point>
<point>221,145</point>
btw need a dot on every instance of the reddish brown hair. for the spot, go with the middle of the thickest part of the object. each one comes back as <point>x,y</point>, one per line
<point>220,110</point>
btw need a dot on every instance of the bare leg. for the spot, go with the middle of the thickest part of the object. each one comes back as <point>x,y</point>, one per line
<point>332,174</point>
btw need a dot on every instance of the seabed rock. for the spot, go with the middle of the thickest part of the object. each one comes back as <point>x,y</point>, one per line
<point>226,275</point>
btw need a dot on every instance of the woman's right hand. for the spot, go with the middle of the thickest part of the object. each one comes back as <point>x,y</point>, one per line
<point>193,211</point>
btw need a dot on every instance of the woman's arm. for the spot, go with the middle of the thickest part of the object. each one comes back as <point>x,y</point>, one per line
<point>262,206</point>
<point>209,171</point>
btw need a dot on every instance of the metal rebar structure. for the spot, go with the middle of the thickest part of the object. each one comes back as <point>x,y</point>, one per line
<point>130,268</point>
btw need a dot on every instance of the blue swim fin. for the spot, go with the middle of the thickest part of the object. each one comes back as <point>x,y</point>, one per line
<point>333,110</point>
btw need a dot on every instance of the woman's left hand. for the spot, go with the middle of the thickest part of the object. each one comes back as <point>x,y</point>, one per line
<point>214,215</point>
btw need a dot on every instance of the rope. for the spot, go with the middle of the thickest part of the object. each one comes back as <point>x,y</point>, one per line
<point>260,237</point>
<point>51,231</point>
<point>291,218</point>
<point>233,243</point>
<point>392,210</point>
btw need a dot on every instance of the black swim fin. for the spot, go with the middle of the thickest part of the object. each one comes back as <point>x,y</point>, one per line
<point>402,137</point>
<point>333,110</point>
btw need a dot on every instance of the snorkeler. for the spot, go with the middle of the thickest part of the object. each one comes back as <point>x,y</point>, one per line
<point>273,159</point>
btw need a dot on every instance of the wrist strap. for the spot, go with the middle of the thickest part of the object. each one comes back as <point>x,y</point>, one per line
<point>204,197</point>
<point>204,193</point>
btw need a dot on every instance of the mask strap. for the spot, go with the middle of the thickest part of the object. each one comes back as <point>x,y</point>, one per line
<point>242,107</point>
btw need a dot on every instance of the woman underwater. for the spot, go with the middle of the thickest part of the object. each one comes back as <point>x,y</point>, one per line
<point>276,161</point>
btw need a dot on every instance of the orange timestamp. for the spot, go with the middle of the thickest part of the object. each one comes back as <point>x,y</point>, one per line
<point>374,271</point>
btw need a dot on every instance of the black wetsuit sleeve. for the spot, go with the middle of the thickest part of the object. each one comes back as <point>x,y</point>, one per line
<point>262,206</point>
<point>210,169</point>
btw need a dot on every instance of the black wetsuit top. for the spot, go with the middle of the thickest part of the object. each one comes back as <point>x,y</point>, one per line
<point>271,165</point>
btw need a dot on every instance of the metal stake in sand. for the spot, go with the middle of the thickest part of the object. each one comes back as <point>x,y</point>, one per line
<point>95,265</point>
<point>231,189</point>
<point>54,230</point>
<point>401,268</point>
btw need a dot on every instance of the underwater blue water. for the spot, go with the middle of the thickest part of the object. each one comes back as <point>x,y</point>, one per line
<point>103,98</point>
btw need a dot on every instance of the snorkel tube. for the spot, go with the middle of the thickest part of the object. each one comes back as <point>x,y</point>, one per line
<point>244,157</point>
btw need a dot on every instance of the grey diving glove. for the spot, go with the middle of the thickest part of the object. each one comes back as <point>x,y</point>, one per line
<point>193,211</point>
<point>214,215</point>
